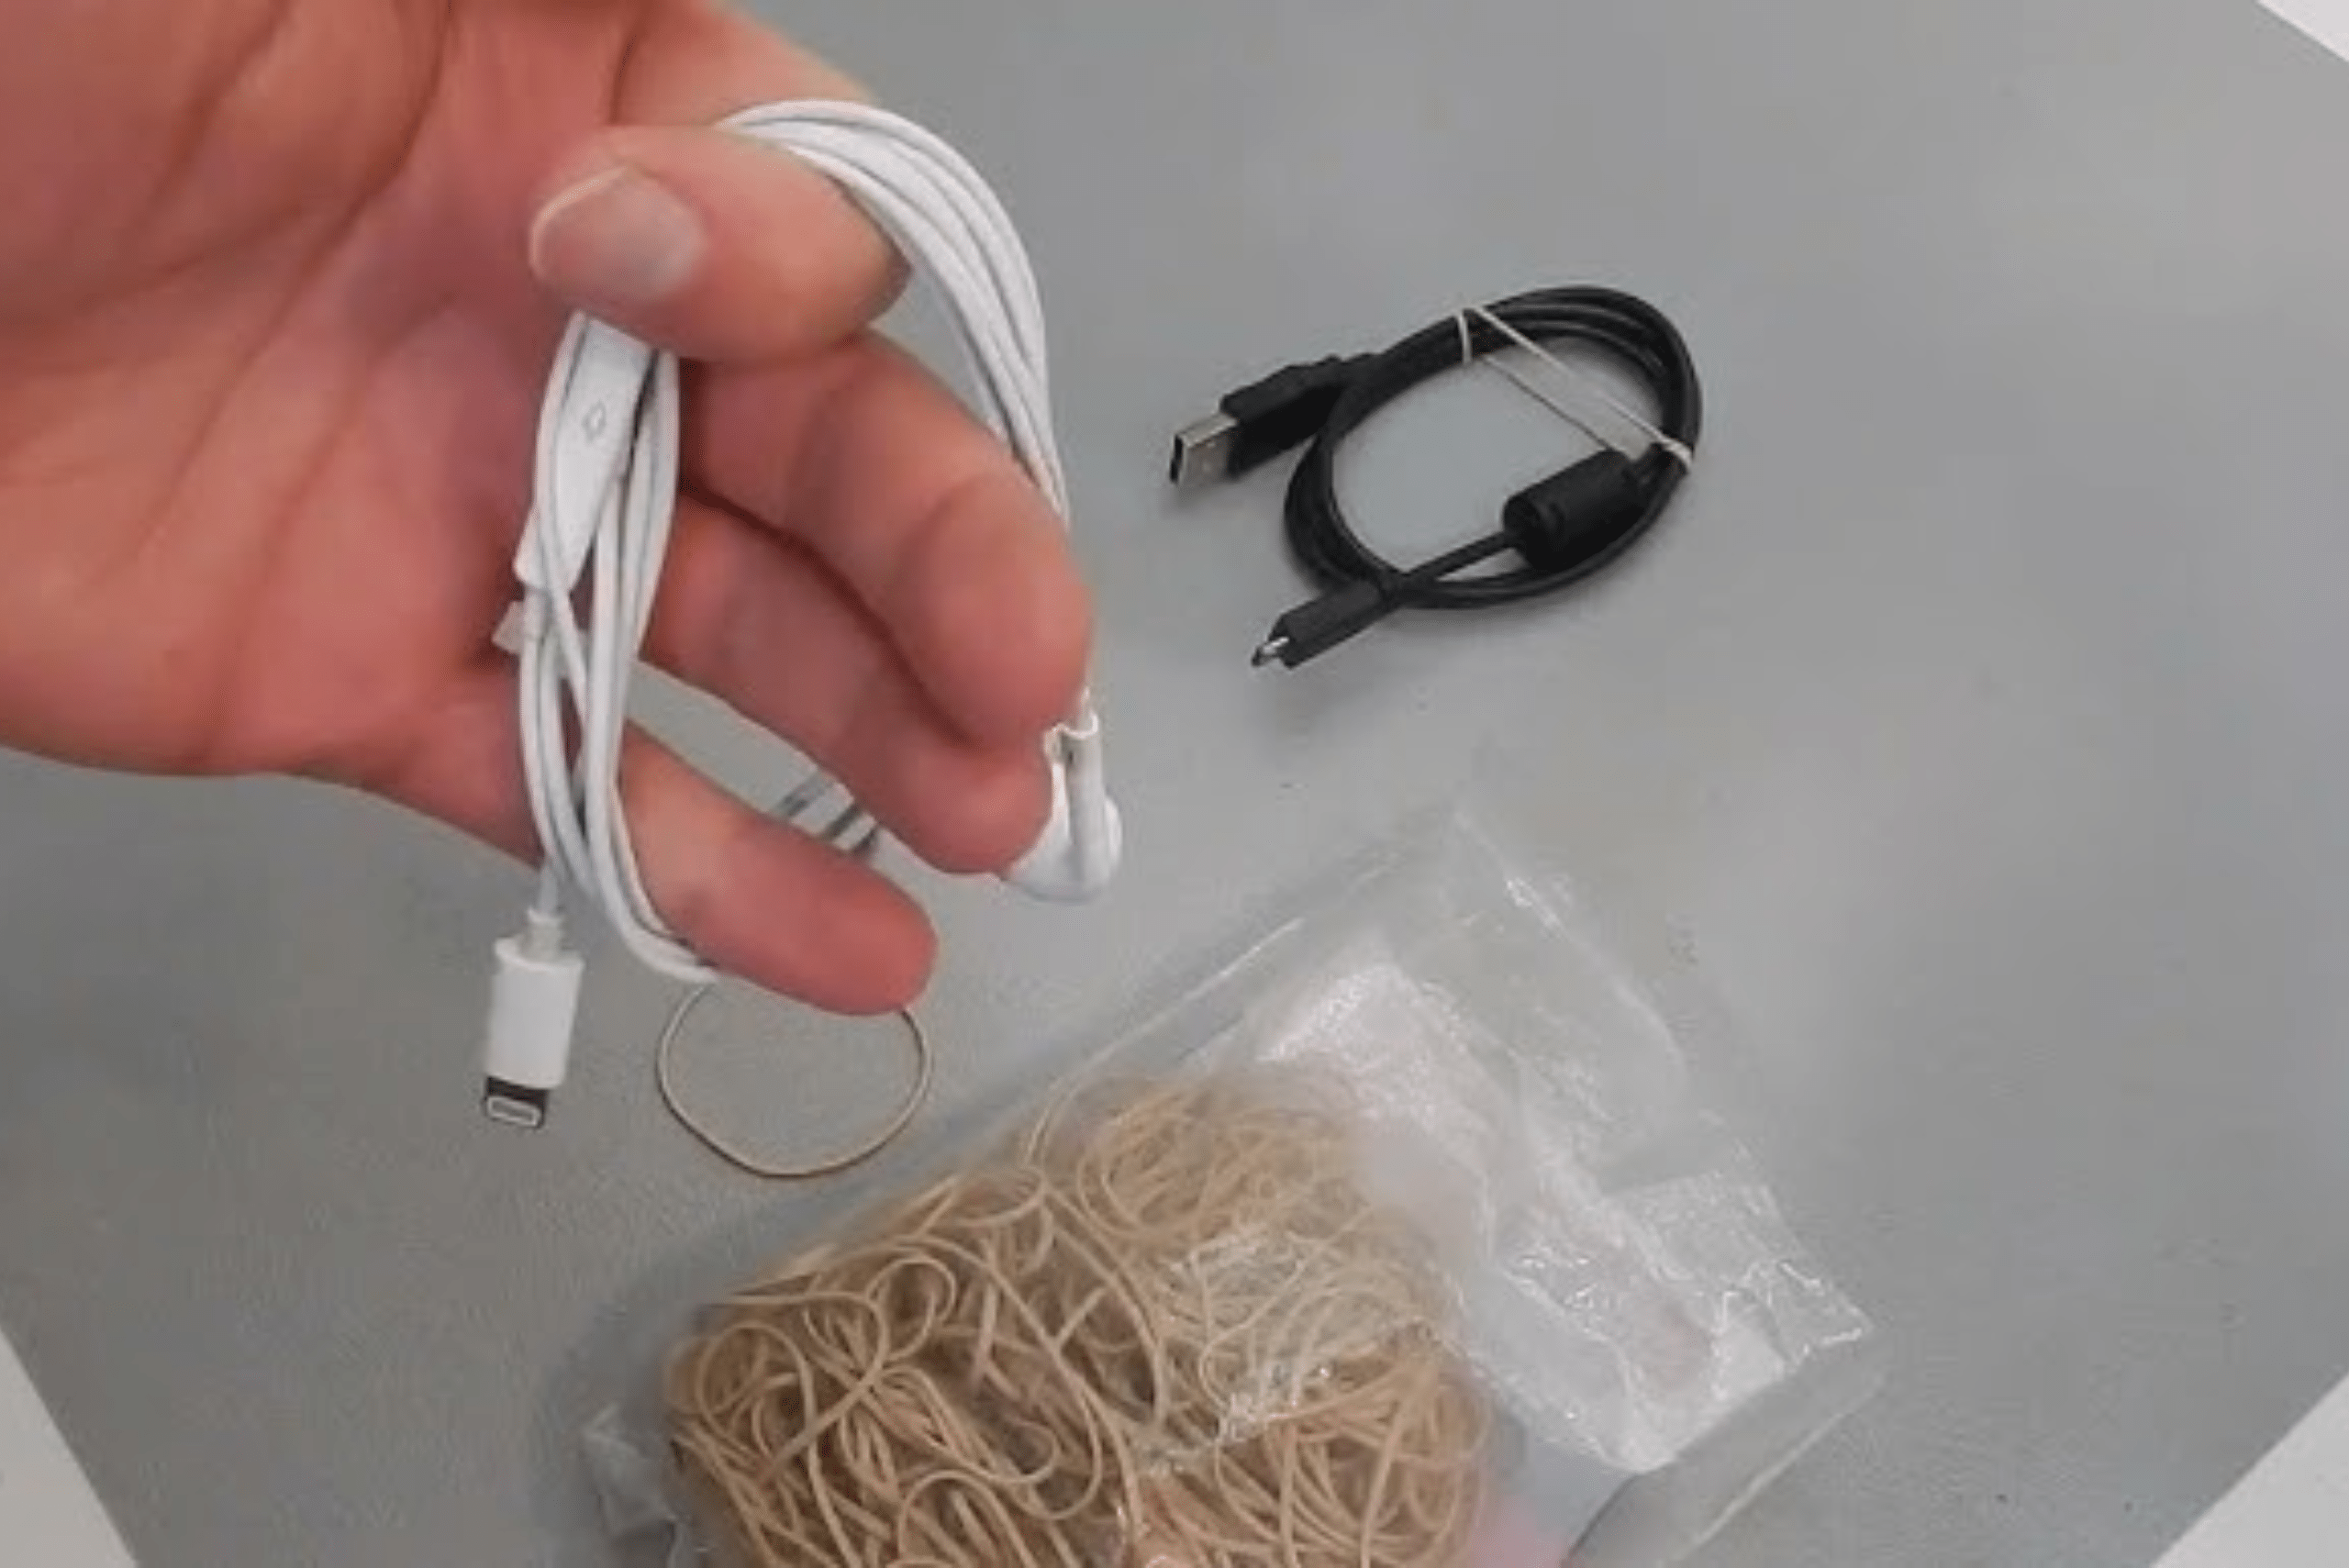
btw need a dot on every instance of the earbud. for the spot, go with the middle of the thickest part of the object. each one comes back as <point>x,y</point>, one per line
<point>1076,854</point>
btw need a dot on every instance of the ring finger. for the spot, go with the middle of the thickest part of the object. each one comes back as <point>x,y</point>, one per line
<point>758,622</point>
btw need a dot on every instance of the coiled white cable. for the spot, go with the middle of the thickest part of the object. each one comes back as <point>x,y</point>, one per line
<point>598,532</point>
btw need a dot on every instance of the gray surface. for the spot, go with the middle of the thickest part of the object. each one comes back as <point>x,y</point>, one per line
<point>1977,720</point>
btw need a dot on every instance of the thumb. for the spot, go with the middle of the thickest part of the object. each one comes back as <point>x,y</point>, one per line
<point>710,245</point>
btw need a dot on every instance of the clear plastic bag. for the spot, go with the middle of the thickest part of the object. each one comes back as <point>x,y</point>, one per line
<point>1405,1236</point>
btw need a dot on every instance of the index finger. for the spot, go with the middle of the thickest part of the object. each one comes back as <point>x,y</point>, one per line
<point>924,515</point>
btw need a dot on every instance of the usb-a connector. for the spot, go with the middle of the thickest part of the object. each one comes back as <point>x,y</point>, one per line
<point>1203,451</point>
<point>1261,421</point>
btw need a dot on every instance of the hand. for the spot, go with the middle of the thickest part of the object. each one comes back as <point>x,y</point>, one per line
<point>278,290</point>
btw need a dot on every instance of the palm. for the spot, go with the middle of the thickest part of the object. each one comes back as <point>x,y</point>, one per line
<point>264,451</point>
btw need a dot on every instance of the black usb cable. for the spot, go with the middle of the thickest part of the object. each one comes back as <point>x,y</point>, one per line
<point>1562,529</point>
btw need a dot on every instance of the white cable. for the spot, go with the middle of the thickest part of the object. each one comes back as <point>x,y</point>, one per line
<point>598,536</point>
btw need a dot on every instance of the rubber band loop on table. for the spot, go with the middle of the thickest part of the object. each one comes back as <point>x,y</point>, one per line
<point>734,1154</point>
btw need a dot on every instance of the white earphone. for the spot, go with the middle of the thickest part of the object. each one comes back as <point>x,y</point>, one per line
<point>1077,852</point>
<point>598,531</point>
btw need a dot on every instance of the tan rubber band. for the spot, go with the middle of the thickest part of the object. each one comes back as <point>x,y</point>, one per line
<point>1167,1327</point>
<point>664,1075</point>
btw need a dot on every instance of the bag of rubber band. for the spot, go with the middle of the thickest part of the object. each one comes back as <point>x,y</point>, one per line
<point>1403,1238</point>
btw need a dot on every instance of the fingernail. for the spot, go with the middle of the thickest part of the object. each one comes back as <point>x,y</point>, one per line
<point>617,237</point>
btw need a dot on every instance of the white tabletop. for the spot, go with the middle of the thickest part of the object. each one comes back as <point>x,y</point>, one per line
<point>48,1514</point>
<point>2325,21</point>
<point>2290,1511</point>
